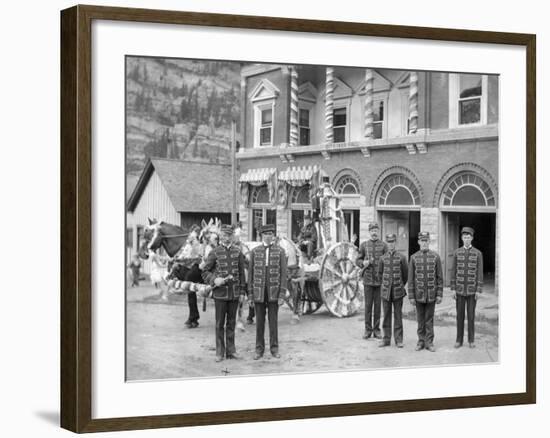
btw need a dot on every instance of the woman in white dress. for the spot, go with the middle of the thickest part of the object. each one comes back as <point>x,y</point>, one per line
<point>158,267</point>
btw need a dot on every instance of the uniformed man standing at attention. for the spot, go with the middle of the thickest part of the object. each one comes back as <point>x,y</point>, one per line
<point>267,281</point>
<point>370,252</point>
<point>224,271</point>
<point>425,287</point>
<point>466,284</point>
<point>393,271</point>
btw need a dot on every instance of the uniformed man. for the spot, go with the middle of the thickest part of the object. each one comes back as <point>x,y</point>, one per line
<point>266,285</point>
<point>224,271</point>
<point>393,271</point>
<point>466,284</point>
<point>425,286</point>
<point>370,252</point>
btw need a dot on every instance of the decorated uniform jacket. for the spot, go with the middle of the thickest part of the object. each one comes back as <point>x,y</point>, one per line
<point>263,273</point>
<point>371,250</point>
<point>425,277</point>
<point>467,271</point>
<point>393,272</point>
<point>221,262</point>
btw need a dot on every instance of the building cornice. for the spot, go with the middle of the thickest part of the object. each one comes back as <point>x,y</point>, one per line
<point>423,140</point>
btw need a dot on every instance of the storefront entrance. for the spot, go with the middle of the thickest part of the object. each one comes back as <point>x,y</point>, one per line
<point>405,225</point>
<point>351,218</point>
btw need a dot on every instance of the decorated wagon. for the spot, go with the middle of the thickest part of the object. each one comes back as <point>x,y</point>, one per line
<point>328,274</point>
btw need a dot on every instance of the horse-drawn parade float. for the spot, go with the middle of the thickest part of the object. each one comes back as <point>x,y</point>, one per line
<point>321,263</point>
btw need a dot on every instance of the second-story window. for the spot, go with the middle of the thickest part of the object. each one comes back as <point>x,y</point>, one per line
<point>304,127</point>
<point>469,99</point>
<point>266,126</point>
<point>378,119</point>
<point>339,123</point>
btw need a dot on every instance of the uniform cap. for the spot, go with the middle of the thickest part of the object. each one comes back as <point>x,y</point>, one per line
<point>226,229</point>
<point>423,235</point>
<point>373,225</point>
<point>468,230</point>
<point>391,237</point>
<point>267,228</point>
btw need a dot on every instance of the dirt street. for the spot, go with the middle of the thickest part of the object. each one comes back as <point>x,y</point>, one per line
<point>159,346</point>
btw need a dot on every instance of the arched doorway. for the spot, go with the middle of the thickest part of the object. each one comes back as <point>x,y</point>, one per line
<point>349,189</point>
<point>299,205</point>
<point>262,212</point>
<point>398,203</point>
<point>468,199</point>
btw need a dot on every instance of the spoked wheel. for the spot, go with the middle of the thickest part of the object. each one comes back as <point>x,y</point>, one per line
<point>339,280</point>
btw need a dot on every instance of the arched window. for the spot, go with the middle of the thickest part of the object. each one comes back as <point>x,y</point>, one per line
<point>399,190</point>
<point>300,195</point>
<point>467,189</point>
<point>260,195</point>
<point>347,185</point>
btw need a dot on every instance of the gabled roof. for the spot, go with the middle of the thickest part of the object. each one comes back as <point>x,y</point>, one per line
<point>191,186</point>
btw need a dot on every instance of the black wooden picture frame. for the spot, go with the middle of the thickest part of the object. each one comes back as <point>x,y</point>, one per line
<point>76,217</point>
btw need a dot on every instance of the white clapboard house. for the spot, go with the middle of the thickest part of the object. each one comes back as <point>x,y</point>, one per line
<point>178,192</point>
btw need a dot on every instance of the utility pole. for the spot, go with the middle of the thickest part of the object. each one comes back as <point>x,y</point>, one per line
<point>233,174</point>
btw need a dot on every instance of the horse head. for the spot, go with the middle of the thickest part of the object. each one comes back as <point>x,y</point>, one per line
<point>152,238</point>
<point>207,228</point>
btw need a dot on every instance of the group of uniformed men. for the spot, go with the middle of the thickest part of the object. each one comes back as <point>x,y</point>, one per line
<point>224,271</point>
<point>385,274</point>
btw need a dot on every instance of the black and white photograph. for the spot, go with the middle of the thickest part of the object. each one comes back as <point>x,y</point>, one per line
<point>286,219</point>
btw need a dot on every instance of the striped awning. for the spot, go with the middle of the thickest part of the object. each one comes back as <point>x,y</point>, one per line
<point>297,173</point>
<point>257,175</point>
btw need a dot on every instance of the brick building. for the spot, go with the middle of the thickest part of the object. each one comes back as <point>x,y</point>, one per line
<point>411,150</point>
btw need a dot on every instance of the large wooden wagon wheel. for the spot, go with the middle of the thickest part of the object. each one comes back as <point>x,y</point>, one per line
<point>339,282</point>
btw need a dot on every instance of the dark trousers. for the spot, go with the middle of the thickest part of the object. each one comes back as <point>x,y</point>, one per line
<point>194,314</point>
<point>398,319</point>
<point>225,332</point>
<point>272,314</point>
<point>372,309</point>
<point>425,318</point>
<point>251,314</point>
<point>465,304</point>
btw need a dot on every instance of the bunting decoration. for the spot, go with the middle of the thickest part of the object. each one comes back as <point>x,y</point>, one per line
<point>272,188</point>
<point>245,194</point>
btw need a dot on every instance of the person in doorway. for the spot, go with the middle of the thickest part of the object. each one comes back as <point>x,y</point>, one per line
<point>370,252</point>
<point>425,287</point>
<point>224,271</point>
<point>466,285</point>
<point>393,271</point>
<point>266,286</point>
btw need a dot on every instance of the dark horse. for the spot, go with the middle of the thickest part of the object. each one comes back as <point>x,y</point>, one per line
<point>172,238</point>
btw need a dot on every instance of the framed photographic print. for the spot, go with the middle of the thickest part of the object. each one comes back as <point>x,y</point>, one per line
<point>314,208</point>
